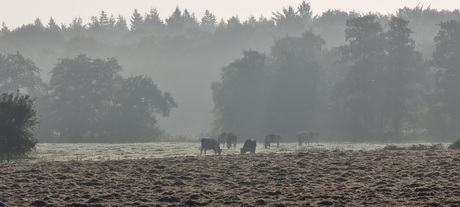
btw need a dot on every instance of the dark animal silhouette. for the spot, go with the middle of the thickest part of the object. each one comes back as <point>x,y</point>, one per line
<point>272,138</point>
<point>222,138</point>
<point>249,146</point>
<point>231,140</point>
<point>303,137</point>
<point>210,144</point>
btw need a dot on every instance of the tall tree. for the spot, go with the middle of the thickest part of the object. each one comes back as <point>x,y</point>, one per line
<point>136,21</point>
<point>446,59</point>
<point>137,102</point>
<point>52,25</point>
<point>399,81</point>
<point>19,73</point>
<point>153,22</point>
<point>292,98</point>
<point>208,22</point>
<point>362,86</point>
<point>121,25</point>
<point>81,89</point>
<point>240,95</point>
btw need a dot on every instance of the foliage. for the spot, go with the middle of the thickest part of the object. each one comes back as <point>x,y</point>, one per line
<point>91,102</point>
<point>239,96</point>
<point>19,73</point>
<point>294,68</point>
<point>380,86</point>
<point>446,77</point>
<point>18,119</point>
<point>380,83</point>
<point>361,86</point>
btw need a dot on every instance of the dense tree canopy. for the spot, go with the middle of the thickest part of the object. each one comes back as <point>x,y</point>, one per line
<point>19,73</point>
<point>347,75</point>
<point>90,101</point>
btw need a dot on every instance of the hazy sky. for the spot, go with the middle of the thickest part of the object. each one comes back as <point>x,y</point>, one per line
<point>18,12</point>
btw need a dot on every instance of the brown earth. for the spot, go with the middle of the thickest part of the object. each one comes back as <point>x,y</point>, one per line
<point>323,178</point>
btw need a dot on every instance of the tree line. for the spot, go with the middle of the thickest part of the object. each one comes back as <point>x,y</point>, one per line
<point>349,76</point>
<point>87,100</point>
<point>379,83</point>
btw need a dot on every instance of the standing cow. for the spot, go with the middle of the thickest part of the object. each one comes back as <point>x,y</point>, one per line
<point>303,137</point>
<point>272,138</point>
<point>210,144</point>
<point>249,146</point>
<point>231,140</point>
<point>227,138</point>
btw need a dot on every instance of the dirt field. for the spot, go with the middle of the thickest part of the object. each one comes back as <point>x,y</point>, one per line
<point>329,177</point>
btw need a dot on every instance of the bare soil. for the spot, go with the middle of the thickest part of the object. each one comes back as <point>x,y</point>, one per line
<point>322,178</point>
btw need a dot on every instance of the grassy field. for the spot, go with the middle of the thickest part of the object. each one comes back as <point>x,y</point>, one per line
<point>101,152</point>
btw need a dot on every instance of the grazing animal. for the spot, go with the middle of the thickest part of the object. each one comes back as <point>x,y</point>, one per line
<point>223,138</point>
<point>272,138</point>
<point>303,136</point>
<point>210,144</point>
<point>249,146</point>
<point>231,140</point>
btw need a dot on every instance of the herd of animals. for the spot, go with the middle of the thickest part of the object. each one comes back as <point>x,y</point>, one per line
<point>249,145</point>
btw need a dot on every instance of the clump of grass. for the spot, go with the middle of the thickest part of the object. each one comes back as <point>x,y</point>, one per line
<point>426,147</point>
<point>455,145</point>
<point>393,147</point>
<point>310,149</point>
<point>283,149</point>
<point>415,147</point>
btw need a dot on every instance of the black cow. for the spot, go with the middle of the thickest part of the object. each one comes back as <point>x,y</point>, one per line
<point>210,144</point>
<point>227,138</point>
<point>303,136</point>
<point>272,138</point>
<point>231,140</point>
<point>249,146</point>
<point>222,138</point>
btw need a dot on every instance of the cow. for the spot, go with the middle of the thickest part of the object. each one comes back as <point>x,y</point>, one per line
<point>249,146</point>
<point>222,138</point>
<point>231,140</point>
<point>272,138</point>
<point>210,144</point>
<point>226,138</point>
<point>303,136</point>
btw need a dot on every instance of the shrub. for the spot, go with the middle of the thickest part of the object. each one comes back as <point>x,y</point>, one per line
<point>392,147</point>
<point>455,145</point>
<point>17,121</point>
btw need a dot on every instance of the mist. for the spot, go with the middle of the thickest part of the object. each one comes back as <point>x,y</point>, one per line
<point>284,73</point>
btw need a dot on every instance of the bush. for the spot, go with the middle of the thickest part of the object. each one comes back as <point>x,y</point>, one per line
<point>17,121</point>
<point>455,145</point>
<point>392,147</point>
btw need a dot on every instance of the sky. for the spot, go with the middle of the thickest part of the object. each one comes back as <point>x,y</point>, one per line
<point>15,13</point>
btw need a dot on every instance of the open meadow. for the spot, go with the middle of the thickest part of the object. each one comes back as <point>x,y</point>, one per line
<point>101,152</point>
<point>174,174</point>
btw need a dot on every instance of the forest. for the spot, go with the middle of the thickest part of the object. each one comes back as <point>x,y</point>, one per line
<point>348,76</point>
